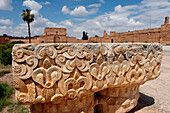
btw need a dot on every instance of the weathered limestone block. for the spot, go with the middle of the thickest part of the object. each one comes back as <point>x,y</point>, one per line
<point>83,78</point>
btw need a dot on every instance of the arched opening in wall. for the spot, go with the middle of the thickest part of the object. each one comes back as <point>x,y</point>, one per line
<point>42,41</point>
<point>98,108</point>
<point>112,40</point>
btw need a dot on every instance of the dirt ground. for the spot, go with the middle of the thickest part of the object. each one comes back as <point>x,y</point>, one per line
<point>154,95</point>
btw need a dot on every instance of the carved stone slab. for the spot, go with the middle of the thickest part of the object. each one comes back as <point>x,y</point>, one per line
<point>88,77</point>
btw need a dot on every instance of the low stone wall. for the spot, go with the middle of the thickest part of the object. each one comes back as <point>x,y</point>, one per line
<point>25,40</point>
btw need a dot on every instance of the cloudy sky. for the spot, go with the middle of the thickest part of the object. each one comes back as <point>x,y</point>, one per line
<point>92,16</point>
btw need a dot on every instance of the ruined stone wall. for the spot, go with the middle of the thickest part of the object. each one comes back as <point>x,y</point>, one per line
<point>95,39</point>
<point>81,41</point>
<point>149,35</point>
<point>41,39</point>
<point>71,39</point>
<point>4,40</point>
<point>54,31</point>
<point>156,35</point>
<point>53,35</point>
<point>165,35</point>
<point>25,40</point>
<point>63,39</point>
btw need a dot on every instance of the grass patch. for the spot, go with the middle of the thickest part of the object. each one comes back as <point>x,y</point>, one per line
<point>2,73</point>
<point>3,66</point>
<point>18,108</point>
<point>167,44</point>
<point>5,92</point>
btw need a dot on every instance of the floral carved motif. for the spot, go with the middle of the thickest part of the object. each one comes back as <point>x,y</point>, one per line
<point>58,72</point>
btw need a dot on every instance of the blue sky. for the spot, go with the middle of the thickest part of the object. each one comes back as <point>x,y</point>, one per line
<point>92,16</point>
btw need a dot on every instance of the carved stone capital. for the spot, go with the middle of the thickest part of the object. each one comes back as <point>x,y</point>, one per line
<point>83,77</point>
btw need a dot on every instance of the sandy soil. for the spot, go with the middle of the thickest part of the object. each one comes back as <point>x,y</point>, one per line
<point>8,78</point>
<point>4,69</point>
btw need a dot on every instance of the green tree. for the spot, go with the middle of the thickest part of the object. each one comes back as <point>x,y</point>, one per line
<point>5,52</point>
<point>85,36</point>
<point>96,36</point>
<point>28,17</point>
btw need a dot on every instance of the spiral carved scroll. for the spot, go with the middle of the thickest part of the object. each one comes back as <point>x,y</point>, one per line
<point>57,72</point>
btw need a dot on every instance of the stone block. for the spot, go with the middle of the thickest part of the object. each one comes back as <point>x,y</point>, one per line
<point>83,78</point>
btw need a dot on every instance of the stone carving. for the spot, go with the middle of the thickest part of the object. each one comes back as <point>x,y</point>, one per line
<point>66,78</point>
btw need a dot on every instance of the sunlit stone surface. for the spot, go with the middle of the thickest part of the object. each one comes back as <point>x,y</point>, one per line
<point>83,78</point>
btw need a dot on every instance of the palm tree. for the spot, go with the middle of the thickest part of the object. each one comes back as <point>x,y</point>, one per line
<point>28,17</point>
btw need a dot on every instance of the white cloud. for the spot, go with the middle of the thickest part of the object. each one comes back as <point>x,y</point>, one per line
<point>39,20</point>
<point>66,23</point>
<point>6,30</point>
<point>79,11</point>
<point>117,20</point>
<point>79,19</point>
<point>65,10</point>
<point>122,19</point>
<point>77,0</point>
<point>6,21</point>
<point>37,28</point>
<point>130,7</point>
<point>94,5</point>
<point>133,22</point>
<point>119,9</point>
<point>102,1</point>
<point>39,23</point>
<point>6,5</point>
<point>93,10</point>
<point>33,5</point>
<point>153,12</point>
<point>45,3</point>
<point>42,22</point>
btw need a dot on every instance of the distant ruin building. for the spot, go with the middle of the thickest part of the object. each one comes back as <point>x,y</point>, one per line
<point>53,35</point>
<point>155,35</point>
<point>59,35</point>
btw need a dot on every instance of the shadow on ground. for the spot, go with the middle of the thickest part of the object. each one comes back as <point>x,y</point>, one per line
<point>143,101</point>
